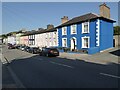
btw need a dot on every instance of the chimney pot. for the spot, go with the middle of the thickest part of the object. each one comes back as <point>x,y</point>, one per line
<point>64,19</point>
<point>104,10</point>
<point>50,26</point>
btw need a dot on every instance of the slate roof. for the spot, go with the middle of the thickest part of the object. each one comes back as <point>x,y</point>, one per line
<point>83,18</point>
<point>39,31</point>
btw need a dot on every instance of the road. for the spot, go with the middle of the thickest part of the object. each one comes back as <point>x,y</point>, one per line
<point>34,71</point>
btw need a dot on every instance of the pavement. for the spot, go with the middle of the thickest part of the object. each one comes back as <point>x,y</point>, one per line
<point>108,56</point>
<point>34,71</point>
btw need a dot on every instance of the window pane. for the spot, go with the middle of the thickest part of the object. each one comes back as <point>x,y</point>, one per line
<point>64,42</point>
<point>64,30</point>
<point>85,42</point>
<point>86,27</point>
<point>73,29</point>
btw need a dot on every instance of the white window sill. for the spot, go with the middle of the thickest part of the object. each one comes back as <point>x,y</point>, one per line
<point>85,32</point>
<point>73,33</point>
<point>84,47</point>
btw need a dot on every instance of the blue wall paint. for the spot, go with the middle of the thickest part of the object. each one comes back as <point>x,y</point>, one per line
<point>106,36</point>
<point>60,37</point>
<point>93,33</point>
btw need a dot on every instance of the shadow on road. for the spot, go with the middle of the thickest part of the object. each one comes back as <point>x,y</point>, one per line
<point>116,52</point>
<point>40,72</point>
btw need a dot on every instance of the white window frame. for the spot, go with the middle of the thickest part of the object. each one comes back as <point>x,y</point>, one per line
<point>63,30</point>
<point>63,41</point>
<point>54,34</point>
<point>55,43</point>
<point>83,42</point>
<point>83,31</point>
<point>75,29</point>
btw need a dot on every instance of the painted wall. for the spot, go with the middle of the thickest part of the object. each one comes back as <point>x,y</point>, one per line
<point>46,39</point>
<point>79,35</point>
<point>106,35</point>
<point>5,40</point>
<point>40,40</point>
<point>12,39</point>
<point>24,40</point>
<point>18,38</point>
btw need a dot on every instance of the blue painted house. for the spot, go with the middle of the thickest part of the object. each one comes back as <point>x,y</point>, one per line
<point>90,32</point>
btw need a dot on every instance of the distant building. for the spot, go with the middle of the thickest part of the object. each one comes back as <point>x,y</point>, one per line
<point>1,40</point>
<point>11,39</point>
<point>47,37</point>
<point>41,37</point>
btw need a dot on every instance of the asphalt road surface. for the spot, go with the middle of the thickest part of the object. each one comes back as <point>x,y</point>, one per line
<point>34,71</point>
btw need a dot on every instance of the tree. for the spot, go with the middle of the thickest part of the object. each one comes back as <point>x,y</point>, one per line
<point>117,30</point>
<point>3,36</point>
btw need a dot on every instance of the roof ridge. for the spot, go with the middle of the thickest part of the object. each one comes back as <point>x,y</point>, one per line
<point>87,14</point>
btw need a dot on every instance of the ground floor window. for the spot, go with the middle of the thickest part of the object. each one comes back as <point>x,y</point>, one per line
<point>85,42</point>
<point>64,42</point>
<point>55,42</point>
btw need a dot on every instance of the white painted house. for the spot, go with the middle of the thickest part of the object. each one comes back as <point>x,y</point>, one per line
<point>46,37</point>
<point>11,39</point>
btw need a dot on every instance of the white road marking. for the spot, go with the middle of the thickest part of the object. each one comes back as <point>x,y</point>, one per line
<point>110,75</point>
<point>61,64</point>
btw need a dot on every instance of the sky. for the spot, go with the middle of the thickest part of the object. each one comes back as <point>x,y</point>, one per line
<point>34,15</point>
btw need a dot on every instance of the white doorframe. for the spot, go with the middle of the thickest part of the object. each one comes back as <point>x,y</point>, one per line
<point>72,45</point>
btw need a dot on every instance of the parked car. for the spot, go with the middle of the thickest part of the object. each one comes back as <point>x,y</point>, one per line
<point>22,48</point>
<point>10,46</point>
<point>49,52</point>
<point>17,46</point>
<point>26,48</point>
<point>34,50</point>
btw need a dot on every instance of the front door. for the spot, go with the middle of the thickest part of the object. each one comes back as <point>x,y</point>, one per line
<point>72,44</point>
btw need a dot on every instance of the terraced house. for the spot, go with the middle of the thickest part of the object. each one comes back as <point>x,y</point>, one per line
<point>41,38</point>
<point>90,32</point>
<point>46,37</point>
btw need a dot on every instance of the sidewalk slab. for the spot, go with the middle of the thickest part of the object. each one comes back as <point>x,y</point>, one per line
<point>104,57</point>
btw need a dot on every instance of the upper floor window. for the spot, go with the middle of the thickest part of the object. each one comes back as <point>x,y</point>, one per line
<point>64,30</point>
<point>85,27</point>
<point>73,29</point>
<point>54,34</point>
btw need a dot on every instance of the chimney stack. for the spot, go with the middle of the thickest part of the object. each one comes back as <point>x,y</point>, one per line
<point>64,19</point>
<point>50,26</point>
<point>104,10</point>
